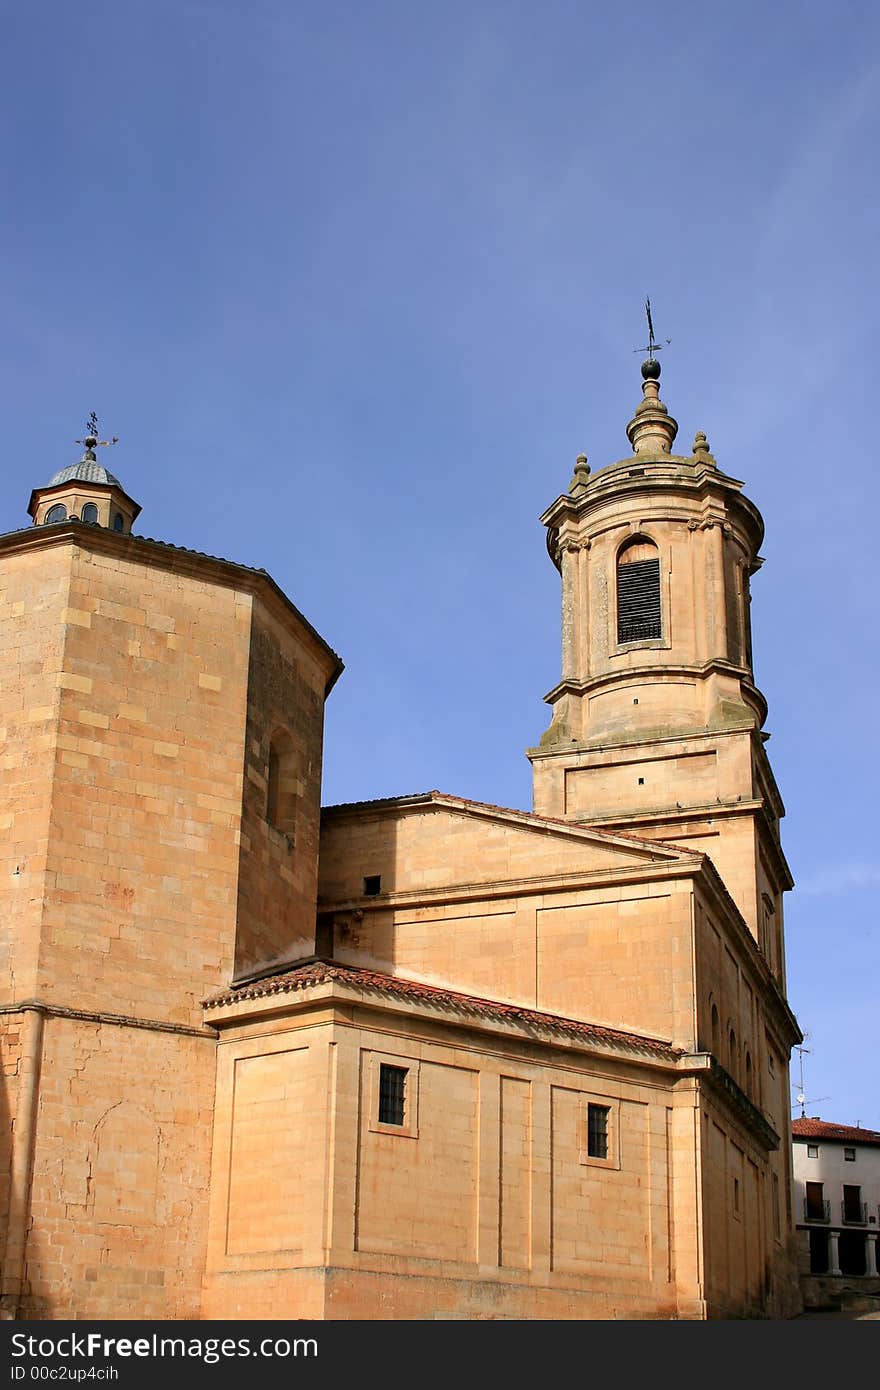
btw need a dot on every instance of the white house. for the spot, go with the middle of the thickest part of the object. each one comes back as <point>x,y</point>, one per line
<point>836,1187</point>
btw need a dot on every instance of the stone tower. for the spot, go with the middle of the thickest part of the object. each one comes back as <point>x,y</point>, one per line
<point>657,720</point>
<point>162,713</point>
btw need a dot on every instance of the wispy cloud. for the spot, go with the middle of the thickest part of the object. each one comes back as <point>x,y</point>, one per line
<point>807,245</point>
<point>838,878</point>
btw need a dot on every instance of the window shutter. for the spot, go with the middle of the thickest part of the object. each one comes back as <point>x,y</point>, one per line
<point>638,601</point>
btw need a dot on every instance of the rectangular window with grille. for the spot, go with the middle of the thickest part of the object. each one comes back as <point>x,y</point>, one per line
<point>597,1131</point>
<point>638,601</point>
<point>392,1094</point>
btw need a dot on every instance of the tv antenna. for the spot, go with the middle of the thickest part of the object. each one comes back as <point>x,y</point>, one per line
<point>800,1092</point>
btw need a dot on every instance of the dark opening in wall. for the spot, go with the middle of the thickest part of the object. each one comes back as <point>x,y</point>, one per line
<point>281,784</point>
<point>392,1094</point>
<point>638,591</point>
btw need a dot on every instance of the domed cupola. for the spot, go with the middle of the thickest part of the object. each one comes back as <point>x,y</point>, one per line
<point>85,491</point>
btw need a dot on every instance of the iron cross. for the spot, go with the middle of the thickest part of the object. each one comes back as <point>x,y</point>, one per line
<point>652,344</point>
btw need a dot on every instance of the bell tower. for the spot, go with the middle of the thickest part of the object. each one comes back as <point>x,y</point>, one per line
<point>657,721</point>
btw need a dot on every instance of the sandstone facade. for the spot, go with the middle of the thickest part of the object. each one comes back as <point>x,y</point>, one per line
<point>413,1058</point>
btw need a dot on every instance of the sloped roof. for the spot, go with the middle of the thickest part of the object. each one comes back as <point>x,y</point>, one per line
<point>529,819</point>
<point>305,974</point>
<point>823,1129</point>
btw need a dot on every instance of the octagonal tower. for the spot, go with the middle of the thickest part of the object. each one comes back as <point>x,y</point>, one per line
<point>657,720</point>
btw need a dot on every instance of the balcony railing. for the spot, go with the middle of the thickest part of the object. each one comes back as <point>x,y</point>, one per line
<point>817,1211</point>
<point>854,1213</point>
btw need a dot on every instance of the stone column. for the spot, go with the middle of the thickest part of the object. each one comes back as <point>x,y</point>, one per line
<point>696,550</point>
<point>585,617</point>
<point>833,1259</point>
<point>542,1185</point>
<point>488,1232</point>
<point>24,1132</point>
<point>717,591</point>
<point>570,586</point>
<point>871,1266</point>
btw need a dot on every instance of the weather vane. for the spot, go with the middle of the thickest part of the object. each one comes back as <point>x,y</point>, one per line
<point>652,344</point>
<point>90,438</point>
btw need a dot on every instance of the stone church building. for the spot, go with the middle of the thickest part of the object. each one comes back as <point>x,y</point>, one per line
<point>411,1058</point>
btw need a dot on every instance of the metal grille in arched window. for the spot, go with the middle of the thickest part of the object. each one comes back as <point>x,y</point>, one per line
<point>56,513</point>
<point>638,593</point>
<point>118,523</point>
<point>90,513</point>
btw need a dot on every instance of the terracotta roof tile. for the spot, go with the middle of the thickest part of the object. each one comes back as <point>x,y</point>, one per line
<point>823,1129</point>
<point>305,974</point>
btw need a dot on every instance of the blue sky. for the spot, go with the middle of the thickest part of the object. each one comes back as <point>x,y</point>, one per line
<point>356,282</point>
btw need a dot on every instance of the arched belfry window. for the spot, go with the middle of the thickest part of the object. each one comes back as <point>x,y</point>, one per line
<point>638,591</point>
<point>282,783</point>
<point>56,513</point>
<point>90,513</point>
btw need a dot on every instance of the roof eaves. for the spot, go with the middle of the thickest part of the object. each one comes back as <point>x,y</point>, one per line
<point>315,972</point>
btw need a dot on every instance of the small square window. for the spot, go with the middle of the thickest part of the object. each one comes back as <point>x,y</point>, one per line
<point>372,885</point>
<point>597,1131</point>
<point>812,1151</point>
<point>849,1155</point>
<point>392,1094</point>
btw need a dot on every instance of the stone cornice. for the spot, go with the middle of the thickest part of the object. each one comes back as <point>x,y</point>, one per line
<point>659,672</point>
<point>686,865</point>
<point>704,1067</point>
<point>717,810</point>
<point>758,740</point>
<point>665,474</point>
<point>445,802</point>
<point>151,1025</point>
<point>179,560</point>
<point>87,488</point>
<point>763,979</point>
<point>497,1021</point>
<point>690,735</point>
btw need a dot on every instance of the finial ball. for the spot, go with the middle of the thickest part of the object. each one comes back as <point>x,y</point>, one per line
<point>651,369</point>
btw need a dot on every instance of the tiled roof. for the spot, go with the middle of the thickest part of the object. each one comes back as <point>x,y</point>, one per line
<point>823,1129</point>
<point>380,801</point>
<point>316,972</point>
